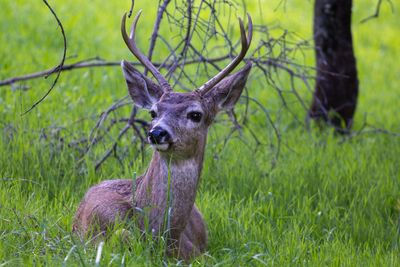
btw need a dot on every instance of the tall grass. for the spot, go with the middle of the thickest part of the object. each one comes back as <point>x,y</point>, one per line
<point>326,200</point>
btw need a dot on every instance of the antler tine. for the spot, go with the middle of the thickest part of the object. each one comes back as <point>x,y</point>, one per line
<point>246,40</point>
<point>250,26</point>
<point>130,42</point>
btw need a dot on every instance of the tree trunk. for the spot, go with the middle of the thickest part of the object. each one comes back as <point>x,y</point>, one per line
<point>336,89</point>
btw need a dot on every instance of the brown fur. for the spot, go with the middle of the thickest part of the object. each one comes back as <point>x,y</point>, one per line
<point>181,161</point>
<point>112,199</point>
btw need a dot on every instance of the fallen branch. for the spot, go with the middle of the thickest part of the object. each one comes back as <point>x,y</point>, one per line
<point>93,63</point>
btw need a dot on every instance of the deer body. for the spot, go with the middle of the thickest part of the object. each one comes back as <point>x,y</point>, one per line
<point>178,134</point>
<point>113,199</point>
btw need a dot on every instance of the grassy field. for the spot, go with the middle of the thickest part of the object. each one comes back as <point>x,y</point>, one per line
<point>325,201</point>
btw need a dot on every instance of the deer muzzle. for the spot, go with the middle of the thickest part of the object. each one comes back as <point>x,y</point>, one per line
<point>159,138</point>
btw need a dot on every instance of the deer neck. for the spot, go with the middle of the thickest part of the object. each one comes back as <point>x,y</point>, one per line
<point>168,191</point>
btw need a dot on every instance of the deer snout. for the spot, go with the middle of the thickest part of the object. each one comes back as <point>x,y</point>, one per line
<point>158,135</point>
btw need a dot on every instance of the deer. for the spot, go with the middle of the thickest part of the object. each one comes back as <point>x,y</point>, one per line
<point>178,133</point>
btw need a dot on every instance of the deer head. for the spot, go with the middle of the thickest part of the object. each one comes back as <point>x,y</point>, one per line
<point>180,120</point>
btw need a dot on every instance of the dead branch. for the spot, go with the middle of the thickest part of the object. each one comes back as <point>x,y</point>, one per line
<point>130,123</point>
<point>377,11</point>
<point>181,55</point>
<point>89,63</point>
<point>271,122</point>
<point>113,147</point>
<point>118,104</point>
<point>160,13</point>
<point>188,63</point>
<point>131,8</point>
<point>94,63</point>
<point>59,66</point>
<point>186,41</point>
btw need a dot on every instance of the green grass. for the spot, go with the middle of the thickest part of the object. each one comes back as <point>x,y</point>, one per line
<point>325,201</point>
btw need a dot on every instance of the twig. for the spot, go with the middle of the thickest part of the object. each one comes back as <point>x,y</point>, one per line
<point>269,119</point>
<point>58,67</point>
<point>156,28</point>
<point>131,8</point>
<point>377,11</point>
<point>78,65</point>
<point>186,41</point>
<point>103,117</point>
<point>131,122</point>
<point>113,147</point>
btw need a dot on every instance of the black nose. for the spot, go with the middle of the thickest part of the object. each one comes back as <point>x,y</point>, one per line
<point>158,135</point>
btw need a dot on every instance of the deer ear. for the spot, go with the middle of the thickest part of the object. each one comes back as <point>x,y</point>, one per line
<point>227,92</point>
<point>143,91</point>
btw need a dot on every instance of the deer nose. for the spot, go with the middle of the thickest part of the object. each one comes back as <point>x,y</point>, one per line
<point>158,135</point>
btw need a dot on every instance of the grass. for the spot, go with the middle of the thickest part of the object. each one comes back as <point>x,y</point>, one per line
<point>325,201</point>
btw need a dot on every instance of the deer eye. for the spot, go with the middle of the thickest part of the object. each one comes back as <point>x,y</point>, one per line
<point>194,116</point>
<point>153,114</point>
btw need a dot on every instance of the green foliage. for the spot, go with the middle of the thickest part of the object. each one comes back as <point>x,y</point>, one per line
<point>326,200</point>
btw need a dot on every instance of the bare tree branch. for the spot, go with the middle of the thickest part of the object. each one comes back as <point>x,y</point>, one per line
<point>93,63</point>
<point>156,28</point>
<point>189,62</point>
<point>113,147</point>
<point>131,8</point>
<point>58,67</point>
<point>276,131</point>
<point>377,11</point>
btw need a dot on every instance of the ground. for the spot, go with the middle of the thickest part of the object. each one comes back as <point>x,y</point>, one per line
<point>325,200</point>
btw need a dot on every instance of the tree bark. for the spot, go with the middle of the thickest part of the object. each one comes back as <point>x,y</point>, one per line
<point>336,89</point>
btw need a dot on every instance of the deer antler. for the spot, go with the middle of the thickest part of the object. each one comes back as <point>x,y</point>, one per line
<point>130,42</point>
<point>246,40</point>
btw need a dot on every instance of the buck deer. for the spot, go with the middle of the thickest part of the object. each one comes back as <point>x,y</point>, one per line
<point>178,133</point>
